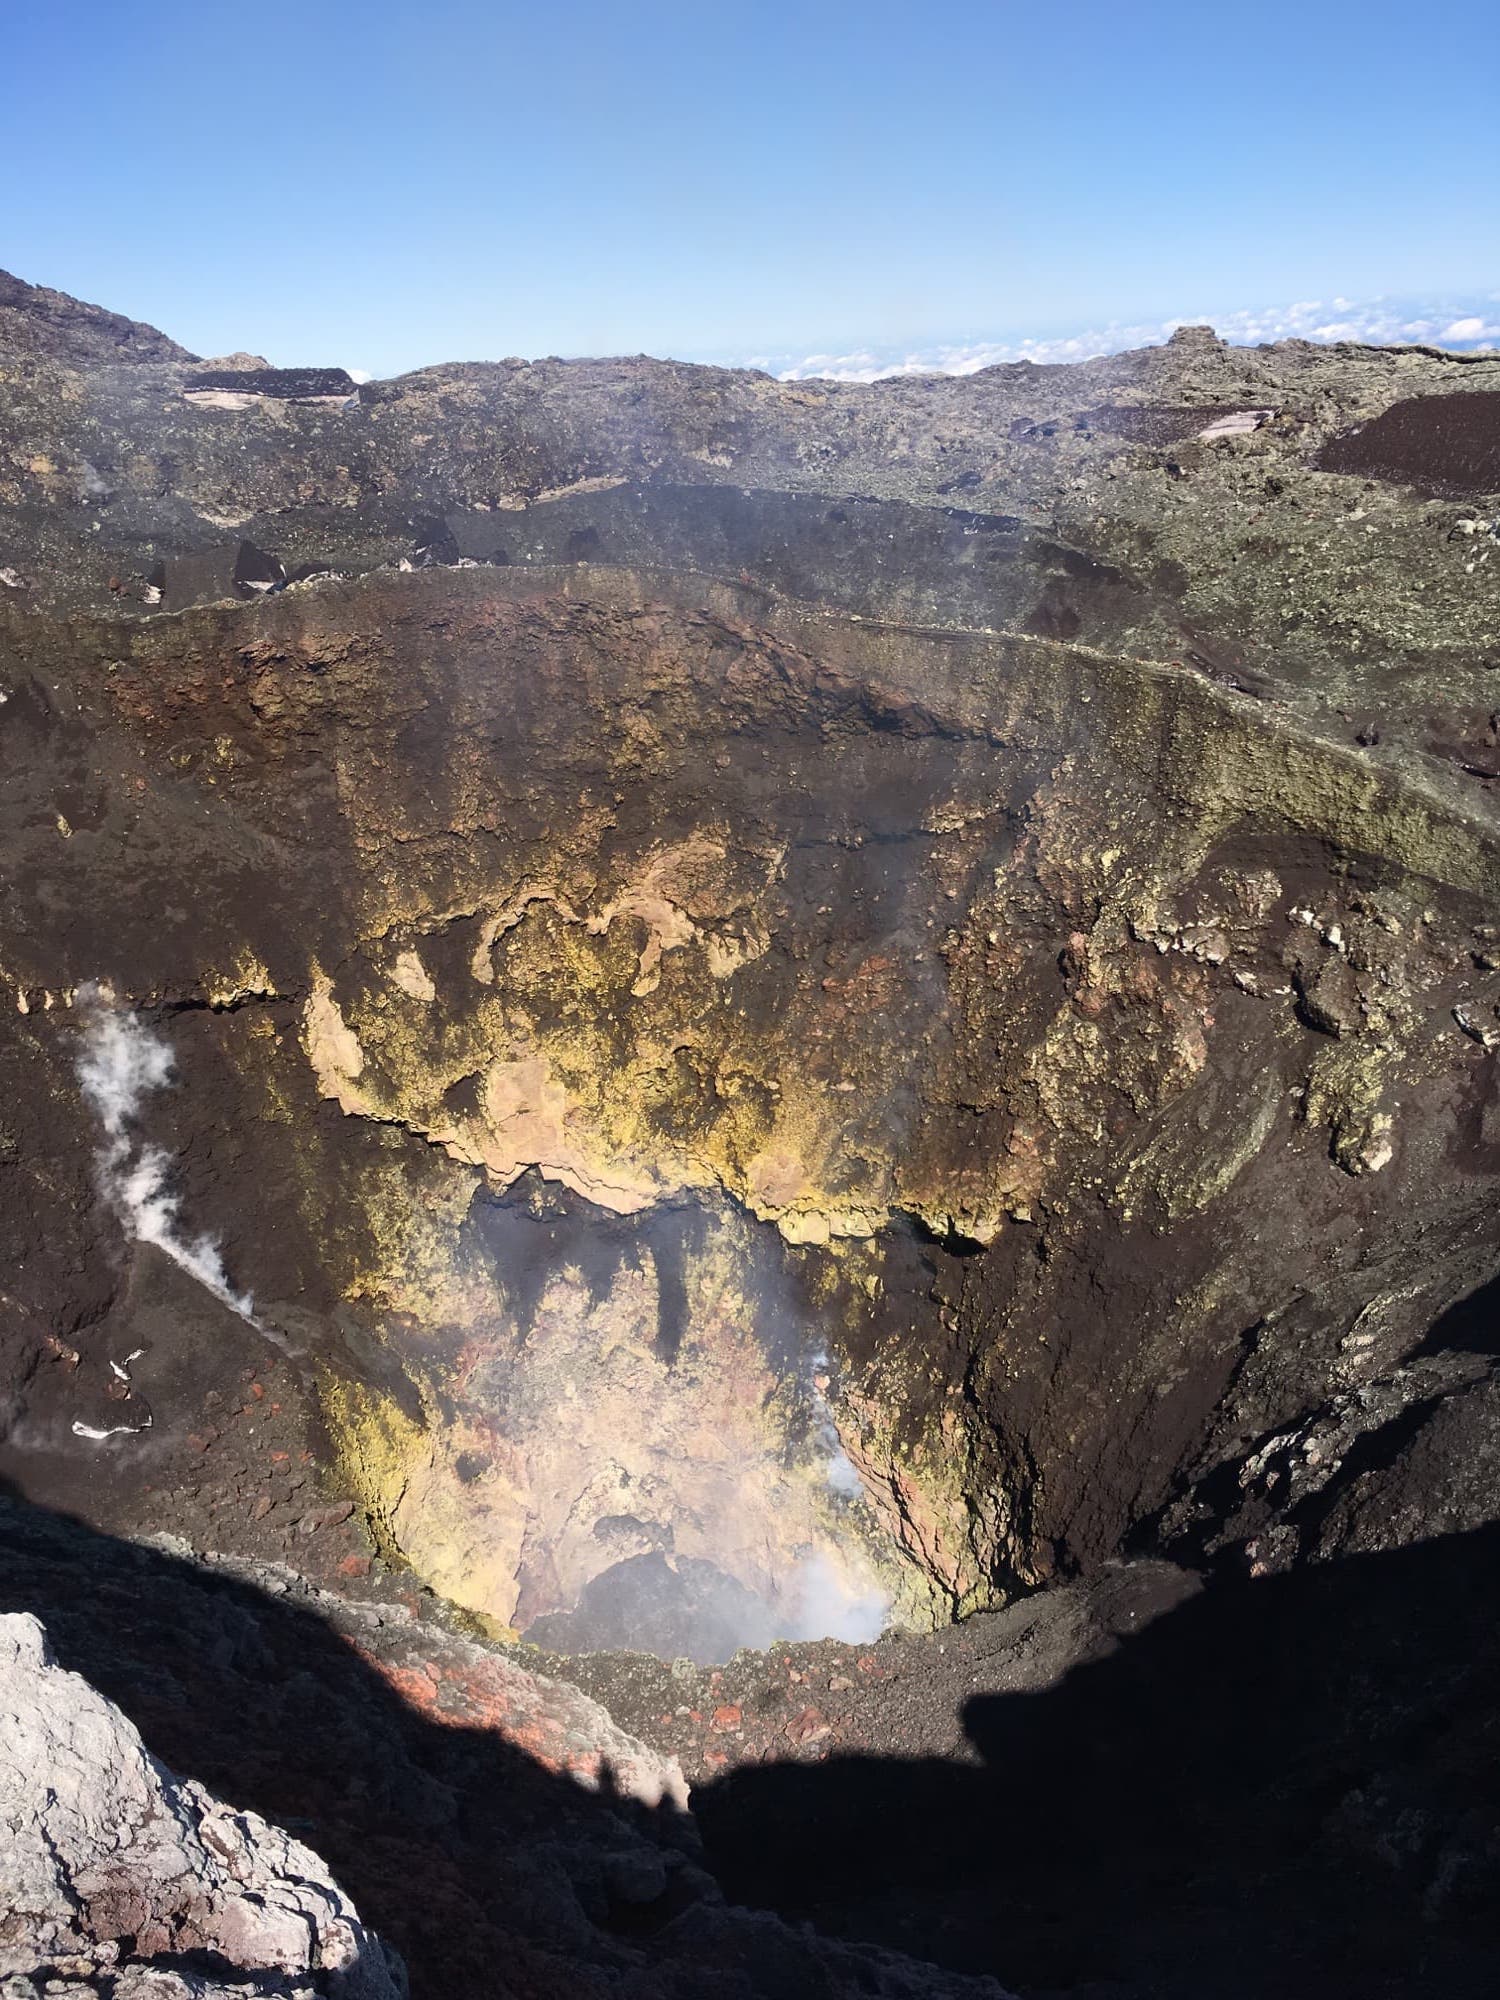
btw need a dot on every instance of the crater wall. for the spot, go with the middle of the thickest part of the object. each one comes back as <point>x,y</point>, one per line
<point>1110,1056</point>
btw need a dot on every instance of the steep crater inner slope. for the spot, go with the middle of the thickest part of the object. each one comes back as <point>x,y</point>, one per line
<point>1075,1021</point>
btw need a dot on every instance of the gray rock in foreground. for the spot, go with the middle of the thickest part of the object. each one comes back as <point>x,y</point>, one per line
<point>108,1862</point>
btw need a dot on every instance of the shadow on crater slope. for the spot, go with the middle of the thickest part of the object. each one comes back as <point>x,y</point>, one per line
<point>491,1874</point>
<point>1284,1786</point>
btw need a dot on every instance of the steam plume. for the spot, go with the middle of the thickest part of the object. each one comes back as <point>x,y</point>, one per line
<point>830,1605</point>
<point>121,1063</point>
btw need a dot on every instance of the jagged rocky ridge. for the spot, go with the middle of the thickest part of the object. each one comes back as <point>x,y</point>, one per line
<point>104,1849</point>
<point>999,872</point>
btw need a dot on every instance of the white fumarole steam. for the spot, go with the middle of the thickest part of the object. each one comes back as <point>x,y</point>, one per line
<point>120,1064</point>
<point>830,1603</point>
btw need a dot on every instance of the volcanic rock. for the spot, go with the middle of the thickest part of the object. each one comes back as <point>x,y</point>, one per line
<point>110,1863</point>
<point>35,320</point>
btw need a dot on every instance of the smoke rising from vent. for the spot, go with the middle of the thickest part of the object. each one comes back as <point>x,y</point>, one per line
<point>122,1061</point>
<point>830,1604</point>
<point>840,1472</point>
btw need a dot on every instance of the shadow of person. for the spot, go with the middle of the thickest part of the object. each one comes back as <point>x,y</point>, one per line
<point>1294,1779</point>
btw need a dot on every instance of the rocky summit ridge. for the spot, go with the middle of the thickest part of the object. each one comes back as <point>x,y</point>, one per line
<point>644,1011</point>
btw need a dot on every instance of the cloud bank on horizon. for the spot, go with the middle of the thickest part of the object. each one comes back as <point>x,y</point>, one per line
<point>1466,325</point>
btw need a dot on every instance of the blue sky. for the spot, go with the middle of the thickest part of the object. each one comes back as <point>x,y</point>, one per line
<point>386,186</point>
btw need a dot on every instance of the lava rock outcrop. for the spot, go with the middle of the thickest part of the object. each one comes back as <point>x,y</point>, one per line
<point>111,1864</point>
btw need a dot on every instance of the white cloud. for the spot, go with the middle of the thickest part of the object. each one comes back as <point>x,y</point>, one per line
<point>1375,322</point>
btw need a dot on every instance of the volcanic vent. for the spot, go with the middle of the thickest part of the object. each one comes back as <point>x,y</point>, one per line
<point>636,1448</point>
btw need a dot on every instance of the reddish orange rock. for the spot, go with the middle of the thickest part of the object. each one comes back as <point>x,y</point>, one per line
<point>728,1718</point>
<point>808,1727</point>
